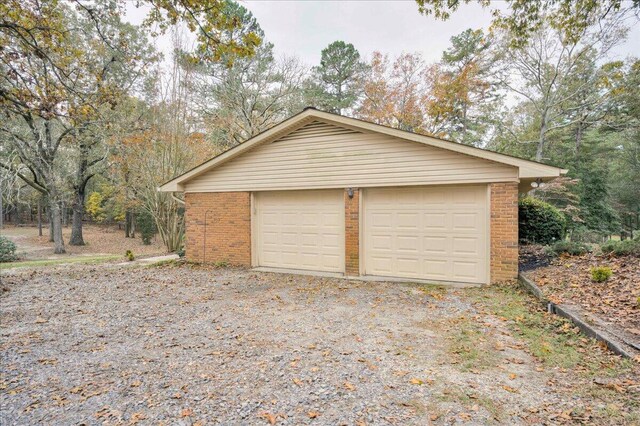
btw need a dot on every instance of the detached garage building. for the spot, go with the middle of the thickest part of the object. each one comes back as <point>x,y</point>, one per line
<point>323,192</point>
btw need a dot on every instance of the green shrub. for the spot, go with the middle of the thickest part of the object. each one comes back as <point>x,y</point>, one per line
<point>129,256</point>
<point>621,248</point>
<point>539,222</point>
<point>569,247</point>
<point>146,226</point>
<point>7,250</point>
<point>600,274</point>
<point>585,235</point>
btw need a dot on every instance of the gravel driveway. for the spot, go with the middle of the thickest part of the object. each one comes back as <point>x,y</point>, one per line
<point>117,345</point>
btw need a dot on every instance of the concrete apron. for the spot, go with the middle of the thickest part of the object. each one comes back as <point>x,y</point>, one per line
<point>367,278</point>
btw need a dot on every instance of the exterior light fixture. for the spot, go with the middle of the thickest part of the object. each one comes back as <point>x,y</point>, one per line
<point>538,183</point>
<point>350,192</point>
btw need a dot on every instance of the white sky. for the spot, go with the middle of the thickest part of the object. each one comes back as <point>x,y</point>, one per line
<point>304,28</point>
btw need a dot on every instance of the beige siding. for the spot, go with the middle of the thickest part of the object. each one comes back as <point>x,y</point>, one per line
<point>319,155</point>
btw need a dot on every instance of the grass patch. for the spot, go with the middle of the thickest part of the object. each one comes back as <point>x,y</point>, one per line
<point>49,262</point>
<point>435,291</point>
<point>169,263</point>
<point>456,394</point>
<point>469,346</point>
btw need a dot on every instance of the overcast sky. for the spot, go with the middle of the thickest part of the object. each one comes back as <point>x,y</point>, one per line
<point>304,28</point>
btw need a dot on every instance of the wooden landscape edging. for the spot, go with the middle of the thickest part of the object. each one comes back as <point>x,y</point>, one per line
<point>592,327</point>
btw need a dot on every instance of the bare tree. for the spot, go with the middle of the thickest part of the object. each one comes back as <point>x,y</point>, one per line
<point>544,74</point>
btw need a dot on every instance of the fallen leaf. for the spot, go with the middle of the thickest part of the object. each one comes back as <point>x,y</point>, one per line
<point>349,386</point>
<point>509,389</point>
<point>272,419</point>
<point>137,417</point>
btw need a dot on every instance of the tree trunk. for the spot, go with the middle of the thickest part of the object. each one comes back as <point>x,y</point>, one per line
<point>542,136</point>
<point>56,225</point>
<point>63,214</point>
<point>50,225</point>
<point>127,224</point>
<point>78,213</point>
<point>39,217</point>
<point>18,215</point>
<point>578,138</point>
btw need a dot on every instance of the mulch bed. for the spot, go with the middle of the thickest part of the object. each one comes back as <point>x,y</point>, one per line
<point>568,279</point>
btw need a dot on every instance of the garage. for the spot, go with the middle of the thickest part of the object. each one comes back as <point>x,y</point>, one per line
<point>336,195</point>
<point>435,233</point>
<point>300,230</point>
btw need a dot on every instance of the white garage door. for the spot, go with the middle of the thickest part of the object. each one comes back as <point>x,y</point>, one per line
<point>300,230</point>
<point>437,233</point>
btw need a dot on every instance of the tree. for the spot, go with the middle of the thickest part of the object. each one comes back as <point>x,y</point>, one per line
<point>544,75</point>
<point>571,18</point>
<point>57,78</point>
<point>623,128</point>
<point>464,96</point>
<point>336,83</point>
<point>239,101</point>
<point>396,94</point>
<point>214,28</point>
<point>160,142</point>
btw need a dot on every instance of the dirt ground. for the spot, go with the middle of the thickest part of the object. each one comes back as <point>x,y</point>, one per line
<point>567,279</point>
<point>98,239</point>
<point>190,345</point>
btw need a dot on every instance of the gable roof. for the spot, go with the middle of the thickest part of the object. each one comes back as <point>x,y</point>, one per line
<point>527,169</point>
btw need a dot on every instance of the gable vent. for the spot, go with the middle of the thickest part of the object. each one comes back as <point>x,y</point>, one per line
<point>317,129</point>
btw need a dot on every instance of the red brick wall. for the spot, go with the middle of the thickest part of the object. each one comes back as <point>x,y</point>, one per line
<point>228,227</point>
<point>504,232</point>
<point>352,232</point>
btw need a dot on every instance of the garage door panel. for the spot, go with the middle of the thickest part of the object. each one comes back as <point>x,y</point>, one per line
<point>300,230</point>
<point>435,221</point>
<point>465,270</point>
<point>331,241</point>
<point>436,245</point>
<point>466,246</point>
<point>436,269</point>
<point>465,222</point>
<point>408,243</point>
<point>426,232</point>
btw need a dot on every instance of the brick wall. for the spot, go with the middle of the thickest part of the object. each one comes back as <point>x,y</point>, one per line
<point>504,232</point>
<point>228,227</point>
<point>352,232</point>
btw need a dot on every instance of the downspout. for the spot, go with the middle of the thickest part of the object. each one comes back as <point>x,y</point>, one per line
<point>177,199</point>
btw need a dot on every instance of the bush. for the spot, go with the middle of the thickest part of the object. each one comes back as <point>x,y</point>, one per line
<point>146,226</point>
<point>622,248</point>
<point>600,274</point>
<point>584,235</point>
<point>129,256</point>
<point>569,247</point>
<point>7,250</point>
<point>539,222</point>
